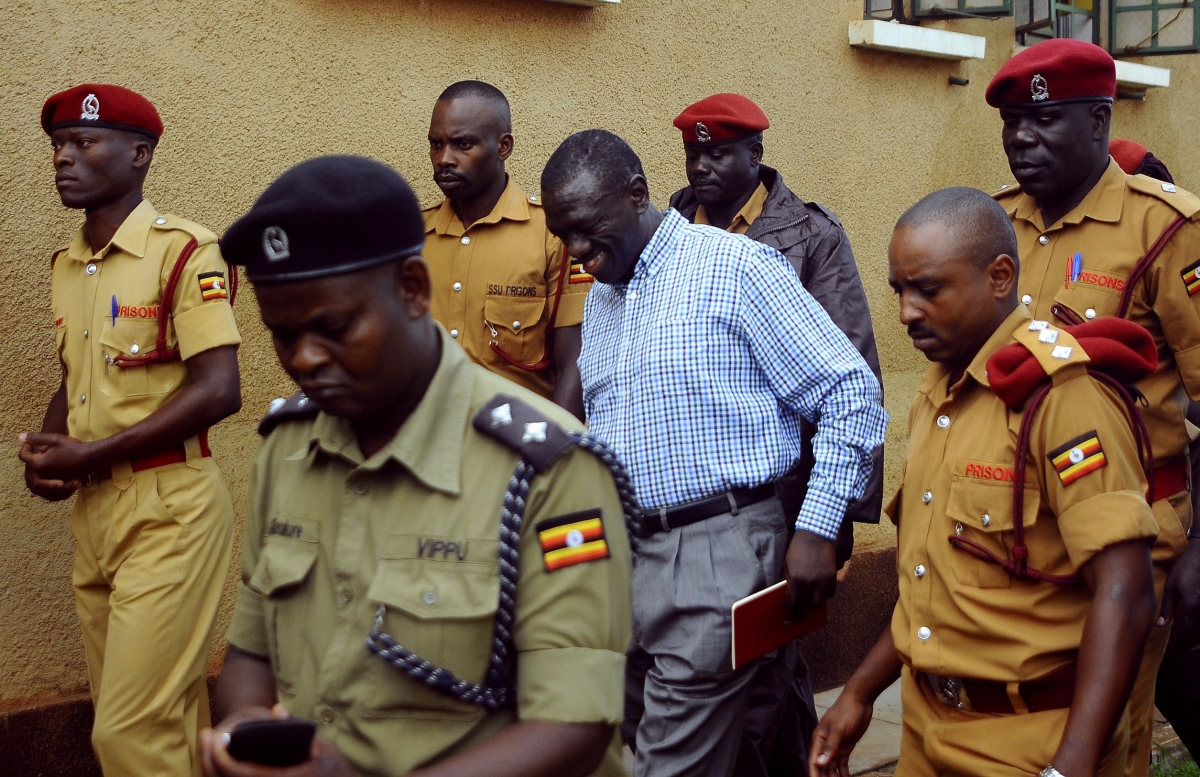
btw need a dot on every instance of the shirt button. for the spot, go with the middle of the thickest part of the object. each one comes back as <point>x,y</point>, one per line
<point>927,497</point>
<point>1043,240</point>
<point>457,286</point>
<point>91,268</point>
<point>82,398</point>
<point>327,715</point>
<point>943,421</point>
<point>516,325</point>
<point>345,596</point>
<point>1090,313</point>
<point>919,571</point>
<point>986,520</point>
<point>924,633</point>
<point>161,220</point>
<point>430,597</point>
<point>1027,300</point>
<point>361,487</point>
<point>134,348</point>
<point>85,333</point>
<point>454,333</point>
<point>466,240</point>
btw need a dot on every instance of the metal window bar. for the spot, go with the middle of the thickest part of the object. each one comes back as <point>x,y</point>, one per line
<point>1039,20</point>
<point>1146,27</point>
<point>941,9</point>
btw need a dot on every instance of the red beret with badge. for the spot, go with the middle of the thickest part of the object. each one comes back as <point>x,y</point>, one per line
<point>722,118</point>
<point>102,105</point>
<point>1061,70</point>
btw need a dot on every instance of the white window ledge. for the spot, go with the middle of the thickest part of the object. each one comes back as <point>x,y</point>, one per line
<point>920,41</point>
<point>1133,75</point>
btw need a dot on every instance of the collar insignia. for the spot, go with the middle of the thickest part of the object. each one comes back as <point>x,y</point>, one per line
<point>502,416</point>
<point>535,432</point>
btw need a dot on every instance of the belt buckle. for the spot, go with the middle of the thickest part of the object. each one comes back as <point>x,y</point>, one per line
<point>949,690</point>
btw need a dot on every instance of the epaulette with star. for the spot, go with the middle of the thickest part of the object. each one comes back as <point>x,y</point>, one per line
<point>295,407</point>
<point>520,426</point>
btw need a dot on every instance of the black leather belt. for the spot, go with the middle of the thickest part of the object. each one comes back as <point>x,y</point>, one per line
<point>667,518</point>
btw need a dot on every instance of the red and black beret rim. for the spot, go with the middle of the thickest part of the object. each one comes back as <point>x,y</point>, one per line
<point>104,125</point>
<point>726,142</point>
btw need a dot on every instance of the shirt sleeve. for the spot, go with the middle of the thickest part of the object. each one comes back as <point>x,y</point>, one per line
<point>1177,301</point>
<point>201,312</point>
<point>816,372</point>
<point>1091,474</point>
<point>248,626</point>
<point>575,286</point>
<point>574,596</point>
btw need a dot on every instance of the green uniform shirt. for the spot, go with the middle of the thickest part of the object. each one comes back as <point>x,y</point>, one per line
<point>331,536</point>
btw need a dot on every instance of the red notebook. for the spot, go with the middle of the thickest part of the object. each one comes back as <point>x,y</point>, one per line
<point>758,626</point>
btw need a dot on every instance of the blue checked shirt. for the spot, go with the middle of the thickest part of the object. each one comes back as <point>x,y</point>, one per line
<point>699,372</point>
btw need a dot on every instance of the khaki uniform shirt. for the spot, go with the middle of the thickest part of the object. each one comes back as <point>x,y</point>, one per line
<point>957,615</point>
<point>133,269</point>
<point>744,217</point>
<point>330,537</point>
<point>496,280</point>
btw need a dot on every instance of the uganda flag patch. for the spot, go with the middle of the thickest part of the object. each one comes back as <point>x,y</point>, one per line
<point>212,285</point>
<point>579,275</point>
<point>572,539</point>
<point>1191,277</point>
<point>1078,457</point>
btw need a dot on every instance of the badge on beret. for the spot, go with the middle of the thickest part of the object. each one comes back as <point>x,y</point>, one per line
<point>702,132</point>
<point>1078,457</point>
<point>579,275</point>
<point>90,108</point>
<point>212,285</point>
<point>1038,88</point>
<point>572,539</point>
<point>275,244</point>
<point>1191,277</point>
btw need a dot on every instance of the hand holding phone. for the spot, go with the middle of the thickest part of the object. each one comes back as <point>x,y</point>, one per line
<point>271,741</point>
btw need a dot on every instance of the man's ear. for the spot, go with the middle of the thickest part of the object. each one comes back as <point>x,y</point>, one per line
<point>639,192</point>
<point>143,153</point>
<point>1101,121</point>
<point>505,146</point>
<point>413,286</point>
<point>756,153</point>
<point>1002,275</point>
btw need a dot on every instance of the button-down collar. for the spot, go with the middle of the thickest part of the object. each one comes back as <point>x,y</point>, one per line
<point>130,236</point>
<point>429,443</point>
<point>1103,203</point>
<point>512,205</point>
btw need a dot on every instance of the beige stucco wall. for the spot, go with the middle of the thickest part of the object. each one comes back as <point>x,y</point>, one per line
<point>248,89</point>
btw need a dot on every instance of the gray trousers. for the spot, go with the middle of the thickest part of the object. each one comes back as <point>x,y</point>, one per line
<point>686,711</point>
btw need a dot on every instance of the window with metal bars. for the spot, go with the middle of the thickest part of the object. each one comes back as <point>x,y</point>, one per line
<point>1038,20</point>
<point>912,10</point>
<point>1142,27</point>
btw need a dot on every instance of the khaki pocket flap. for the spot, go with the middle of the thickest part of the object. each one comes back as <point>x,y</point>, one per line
<point>284,563</point>
<point>434,590</point>
<point>988,506</point>
<point>130,337</point>
<point>513,313</point>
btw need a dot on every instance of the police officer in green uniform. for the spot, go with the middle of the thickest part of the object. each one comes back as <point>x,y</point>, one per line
<point>436,569</point>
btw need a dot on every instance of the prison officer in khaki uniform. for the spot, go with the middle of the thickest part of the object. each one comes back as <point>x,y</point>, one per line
<point>146,372</point>
<point>502,284</point>
<point>1003,674</point>
<point>387,504</point>
<point>1083,226</point>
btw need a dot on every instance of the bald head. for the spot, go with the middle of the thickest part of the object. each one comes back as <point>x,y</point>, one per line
<point>979,226</point>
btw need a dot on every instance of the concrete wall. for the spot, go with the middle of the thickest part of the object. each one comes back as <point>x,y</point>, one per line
<point>248,89</point>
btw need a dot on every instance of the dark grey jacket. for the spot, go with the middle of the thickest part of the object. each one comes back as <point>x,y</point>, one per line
<point>814,242</point>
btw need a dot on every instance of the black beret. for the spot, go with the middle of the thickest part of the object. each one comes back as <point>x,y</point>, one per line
<point>326,216</point>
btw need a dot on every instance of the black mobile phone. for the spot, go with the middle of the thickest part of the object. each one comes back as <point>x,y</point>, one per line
<point>272,742</point>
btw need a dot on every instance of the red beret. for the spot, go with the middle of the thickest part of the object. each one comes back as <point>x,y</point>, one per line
<point>102,105</point>
<point>1129,154</point>
<point>721,118</point>
<point>1060,70</point>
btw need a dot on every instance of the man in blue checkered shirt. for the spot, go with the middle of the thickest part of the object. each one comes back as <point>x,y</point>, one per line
<point>702,354</point>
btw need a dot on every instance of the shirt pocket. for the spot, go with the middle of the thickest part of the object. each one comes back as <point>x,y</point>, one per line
<point>982,512</point>
<point>516,323</point>
<point>1085,298</point>
<point>132,338</point>
<point>443,612</point>
<point>283,566</point>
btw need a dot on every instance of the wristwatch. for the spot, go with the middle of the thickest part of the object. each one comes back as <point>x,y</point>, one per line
<point>1050,771</point>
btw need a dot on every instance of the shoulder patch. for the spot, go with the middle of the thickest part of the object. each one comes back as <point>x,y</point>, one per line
<point>202,235</point>
<point>1076,458</point>
<point>826,213</point>
<point>294,408</point>
<point>521,427</point>
<point>1183,201</point>
<point>576,538</point>
<point>1053,348</point>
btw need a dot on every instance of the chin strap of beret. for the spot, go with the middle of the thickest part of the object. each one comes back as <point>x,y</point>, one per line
<point>1120,353</point>
<point>540,442</point>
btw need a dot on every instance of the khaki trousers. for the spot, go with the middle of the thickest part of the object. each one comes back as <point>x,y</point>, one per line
<point>939,741</point>
<point>152,553</point>
<point>1174,516</point>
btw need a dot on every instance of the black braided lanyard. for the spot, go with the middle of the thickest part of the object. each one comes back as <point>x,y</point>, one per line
<point>496,691</point>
